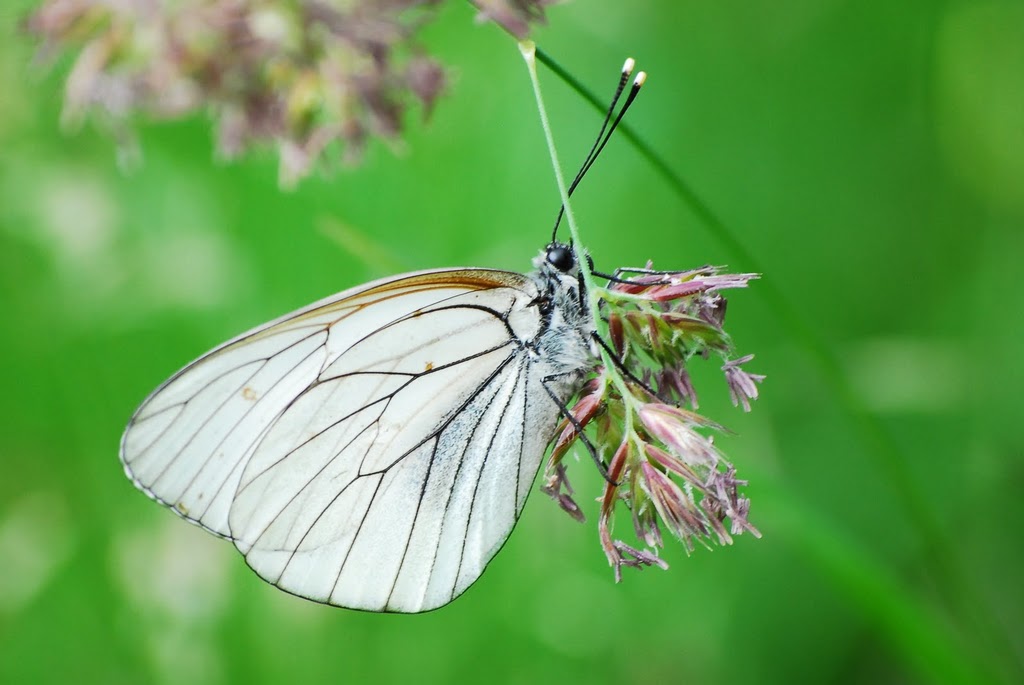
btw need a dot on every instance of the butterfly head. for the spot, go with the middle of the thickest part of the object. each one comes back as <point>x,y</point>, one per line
<point>561,257</point>
<point>557,261</point>
<point>558,268</point>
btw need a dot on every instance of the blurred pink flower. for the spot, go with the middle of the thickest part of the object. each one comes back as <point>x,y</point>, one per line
<point>311,77</point>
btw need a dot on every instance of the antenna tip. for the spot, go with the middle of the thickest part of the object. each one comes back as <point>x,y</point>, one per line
<point>640,78</point>
<point>627,68</point>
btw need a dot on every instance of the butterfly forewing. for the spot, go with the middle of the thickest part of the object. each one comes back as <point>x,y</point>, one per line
<point>370,450</point>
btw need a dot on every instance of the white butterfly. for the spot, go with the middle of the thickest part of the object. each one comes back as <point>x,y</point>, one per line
<point>375,449</point>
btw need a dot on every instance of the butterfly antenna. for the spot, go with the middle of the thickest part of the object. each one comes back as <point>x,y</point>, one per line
<point>605,133</point>
<point>627,69</point>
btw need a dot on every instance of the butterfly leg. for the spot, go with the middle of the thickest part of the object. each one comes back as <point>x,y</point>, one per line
<point>564,411</point>
<point>617,277</point>
<point>622,367</point>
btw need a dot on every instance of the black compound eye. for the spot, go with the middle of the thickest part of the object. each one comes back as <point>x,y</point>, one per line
<point>561,257</point>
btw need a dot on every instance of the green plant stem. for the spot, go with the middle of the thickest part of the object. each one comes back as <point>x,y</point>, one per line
<point>528,50</point>
<point>958,591</point>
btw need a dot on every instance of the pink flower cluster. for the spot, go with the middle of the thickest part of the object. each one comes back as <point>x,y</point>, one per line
<point>663,466</point>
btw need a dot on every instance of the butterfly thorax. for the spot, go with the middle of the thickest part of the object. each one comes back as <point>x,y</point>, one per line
<point>565,339</point>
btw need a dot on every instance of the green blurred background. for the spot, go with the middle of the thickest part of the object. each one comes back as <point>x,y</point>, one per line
<point>869,155</point>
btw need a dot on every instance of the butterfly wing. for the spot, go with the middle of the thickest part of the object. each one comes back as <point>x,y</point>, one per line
<point>373,450</point>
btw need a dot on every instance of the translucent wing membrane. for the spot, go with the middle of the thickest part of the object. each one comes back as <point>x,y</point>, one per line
<point>369,451</point>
